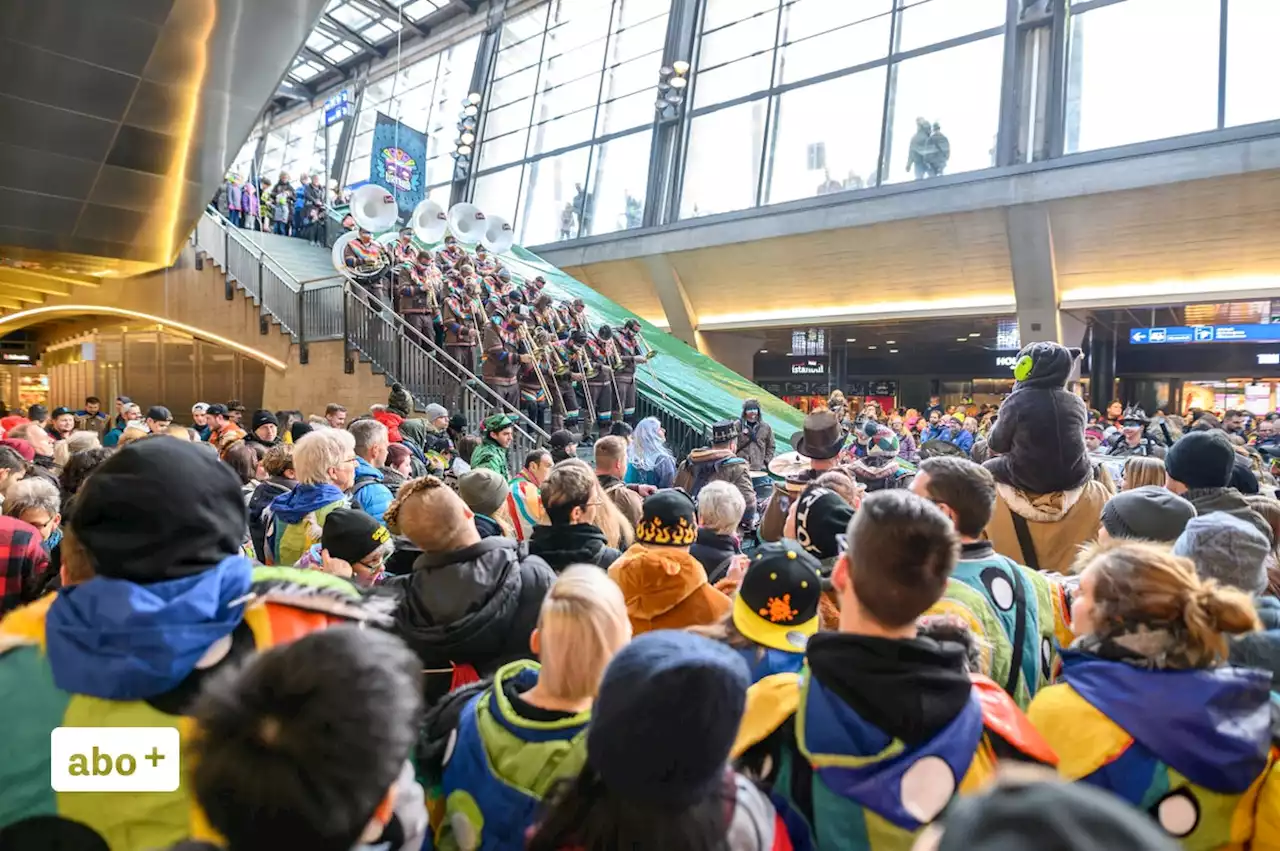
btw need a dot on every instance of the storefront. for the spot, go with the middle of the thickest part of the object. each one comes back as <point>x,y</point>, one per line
<point>1209,376</point>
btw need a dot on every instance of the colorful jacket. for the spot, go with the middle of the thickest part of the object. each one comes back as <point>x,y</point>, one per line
<point>113,653</point>
<point>502,766</point>
<point>1195,749</point>
<point>294,521</point>
<point>491,456</point>
<point>1018,616</point>
<point>524,504</point>
<point>842,783</point>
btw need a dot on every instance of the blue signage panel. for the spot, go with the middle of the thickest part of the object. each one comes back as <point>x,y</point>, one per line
<point>1205,334</point>
<point>337,108</point>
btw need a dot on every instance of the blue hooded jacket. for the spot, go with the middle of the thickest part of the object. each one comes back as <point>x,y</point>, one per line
<point>288,510</point>
<point>119,640</point>
<point>373,498</point>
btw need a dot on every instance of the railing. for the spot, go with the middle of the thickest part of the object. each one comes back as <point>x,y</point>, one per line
<point>336,309</point>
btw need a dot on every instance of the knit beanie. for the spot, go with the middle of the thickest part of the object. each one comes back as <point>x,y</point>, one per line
<point>1149,513</point>
<point>1050,816</point>
<point>1243,478</point>
<point>299,430</point>
<point>1201,459</point>
<point>351,534</point>
<point>263,417</point>
<point>668,520</point>
<point>483,491</point>
<point>399,401</point>
<point>666,717</point>
<point>434,412</point>
<point>1224,548</point>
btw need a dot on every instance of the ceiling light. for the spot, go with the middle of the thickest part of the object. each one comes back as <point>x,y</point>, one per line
<point>664,87</point>
<point>679,82</point>
<point>852,340</point>
<point>976,334</point>
<point>665,71</point>
<point>661,104</point>
<point>680,66</point>
<point>464,150</point>
<point>891,342</point>
<point>764,351</point>
<point>870,347</point>
<point>468,138</point>
<point>474,98</point>
<point>962,339</point>
<point>893,351</point>
<point>675,98</point>
<point>471,112</point>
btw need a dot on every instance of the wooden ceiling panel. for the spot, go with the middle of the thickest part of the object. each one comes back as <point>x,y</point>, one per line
<point>624,281</point>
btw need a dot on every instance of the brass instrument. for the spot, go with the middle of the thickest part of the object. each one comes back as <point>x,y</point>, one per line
<point>648,355</point>
<point>527,339</point>
<point>586,391</point>
<point>611,352</point>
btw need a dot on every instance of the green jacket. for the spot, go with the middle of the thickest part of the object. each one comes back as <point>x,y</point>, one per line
<point>491,456</point>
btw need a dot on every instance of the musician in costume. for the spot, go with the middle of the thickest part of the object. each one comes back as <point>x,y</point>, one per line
<point>368,264</point>
<point>571,367</point>
<point>536,376</point>
<point>576,316</point>
<point>546,316</point>
<point>452,253</point>
<point>419,296</point>
<point>1147,706</point>
<point>604,362</point>
<point>631,352</point>
<point>461,331</point>
<point>504,358</point>
<point>850,753</point>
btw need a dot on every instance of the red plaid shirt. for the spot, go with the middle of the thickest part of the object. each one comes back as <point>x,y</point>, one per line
<point>22,562</point>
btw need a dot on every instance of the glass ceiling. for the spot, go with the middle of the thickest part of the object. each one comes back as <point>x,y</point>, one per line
<point>350,28</point>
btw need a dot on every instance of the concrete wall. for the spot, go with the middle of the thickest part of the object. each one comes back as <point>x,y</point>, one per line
<point>181,293</point>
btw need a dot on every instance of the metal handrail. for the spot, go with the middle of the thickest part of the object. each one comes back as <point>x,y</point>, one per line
<point>467,383</point>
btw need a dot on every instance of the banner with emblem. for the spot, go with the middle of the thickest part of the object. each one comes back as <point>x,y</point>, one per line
<point>398,162</point>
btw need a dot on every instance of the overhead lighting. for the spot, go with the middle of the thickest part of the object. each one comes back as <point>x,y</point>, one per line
<point>473,98</point>
<point>976,334</point>
<point>679,82</point>
<point>851,340</point>
<point>948,308</point>
<point>464,150</point>
<point>962,339</point>
<point>680,66</point>
<point>666,71</point>
<point>468,138</point>
<point>891,342</point>
<point>893,351</point>
<point>764,351</point>
<point>664,87</point>
<point>661,103</point>
<point>674,98</point>
<point>471,112</point>
<point>870,347</point>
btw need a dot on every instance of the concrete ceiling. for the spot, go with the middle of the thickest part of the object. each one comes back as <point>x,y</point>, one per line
<point>118,118</point>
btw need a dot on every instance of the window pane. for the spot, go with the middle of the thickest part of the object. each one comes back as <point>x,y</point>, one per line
<point>513,88</point>
<point>518,57</point>
<point>567,98</point>
<point>565,66</point>
<point>721,12</point>
<point>438,169</point>
<point>568,33</point>
<point>931,21</point>
<point>634,110</point>
<point>619,175</point>
<point>743,77</point>
<point>821,149</point>
<point>503,149</point>
<point>804,18</point>
<point>643,39</point>
<point>723,163</point>
<point>957,90</point>
<point>1171,89</point>
<point>507,119</point>
<point>522,27</point>
<point>631,12</point>
<point>842,48</point>
<point>631,77</point>
<point>1251,91</point>
<point>496,194</point>
<point>562,132</point>
<point>741,39</point>
<point>553,198</point>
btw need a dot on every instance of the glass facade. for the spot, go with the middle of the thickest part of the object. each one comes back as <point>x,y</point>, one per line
<point>786,99</point>
<point>796,98</point>
<point>569,117</point>
<point>425,96</point>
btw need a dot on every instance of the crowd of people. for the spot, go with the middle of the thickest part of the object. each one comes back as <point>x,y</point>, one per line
<point>283,207</point>
<point>378,629</point>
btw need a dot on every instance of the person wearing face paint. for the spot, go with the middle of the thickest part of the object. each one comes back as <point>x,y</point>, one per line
<point>1133,439</point>
<point>755,437</point>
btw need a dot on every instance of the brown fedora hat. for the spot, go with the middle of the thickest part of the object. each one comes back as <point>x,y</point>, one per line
<point>822,437</point>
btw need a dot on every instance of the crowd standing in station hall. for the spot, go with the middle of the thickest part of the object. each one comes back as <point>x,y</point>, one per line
<point>1031,626</point>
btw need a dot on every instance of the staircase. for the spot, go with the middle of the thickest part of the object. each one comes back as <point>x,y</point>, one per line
<point>296,287</point>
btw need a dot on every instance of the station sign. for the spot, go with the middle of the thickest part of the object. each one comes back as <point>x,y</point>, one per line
<point>337,107</point>
<point>1205,334</point>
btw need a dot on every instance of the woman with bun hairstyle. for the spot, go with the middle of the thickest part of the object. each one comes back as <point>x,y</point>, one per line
<point>1147,707</point>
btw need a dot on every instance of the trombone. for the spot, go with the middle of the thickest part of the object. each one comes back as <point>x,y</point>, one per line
<point>586,392</point>
<point>527,339</point>
<point>648,356</point>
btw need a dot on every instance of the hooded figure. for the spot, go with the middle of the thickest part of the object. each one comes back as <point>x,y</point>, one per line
<point>168,603</point>
<point>1039,436</point>
<point>755,437</point>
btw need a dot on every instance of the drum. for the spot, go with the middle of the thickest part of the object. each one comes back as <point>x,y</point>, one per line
<point>788,465</point>
<point>762,483</point>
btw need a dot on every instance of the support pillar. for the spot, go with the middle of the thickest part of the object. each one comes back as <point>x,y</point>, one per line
<point>1035,275</point>
<point>681,319</point>
<point>1102,366</point>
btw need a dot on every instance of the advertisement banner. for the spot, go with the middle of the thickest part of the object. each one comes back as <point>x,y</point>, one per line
<point>398,162</point>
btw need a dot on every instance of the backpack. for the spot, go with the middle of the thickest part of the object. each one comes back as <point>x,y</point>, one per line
<point>362,482</point>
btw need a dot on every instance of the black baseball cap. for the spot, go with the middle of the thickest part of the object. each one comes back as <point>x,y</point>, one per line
<point>60,411</point>
<point>159,413</point>
<point>562,438</point>
<point>217,409</point>
<point>777,603</point>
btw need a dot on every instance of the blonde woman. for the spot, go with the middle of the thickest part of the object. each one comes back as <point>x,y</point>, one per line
<point>526,730</point>
<point>1140,471</point>
<point>1149,708</point>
